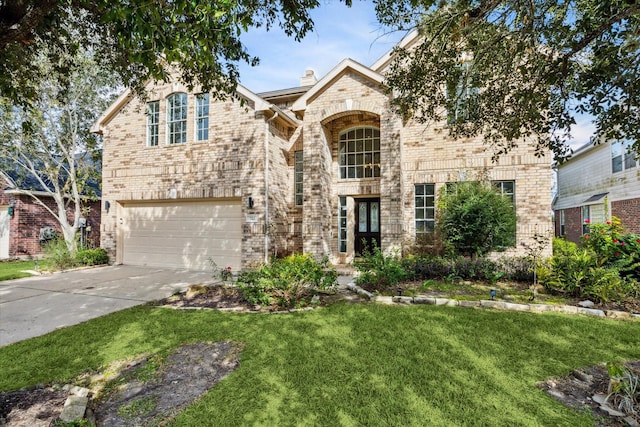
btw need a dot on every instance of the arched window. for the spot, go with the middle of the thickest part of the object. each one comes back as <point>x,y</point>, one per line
<point>177,118</point>
<point>359,153</point>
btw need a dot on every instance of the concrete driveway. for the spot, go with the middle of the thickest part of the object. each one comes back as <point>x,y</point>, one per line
<point>36,305</point>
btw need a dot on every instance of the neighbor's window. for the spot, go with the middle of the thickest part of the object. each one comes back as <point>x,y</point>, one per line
<point>298,175</point>
<point>425,208</point>
<point>153,120</point>
<point>562,227</point>
<point>202,117</point>
<point>359,153</point>
<point>507,189</point>
<point>622,156</point>
<point>342,224</point>
<point>461,95</point>
<point>586,219</point>
<point>177,118</point>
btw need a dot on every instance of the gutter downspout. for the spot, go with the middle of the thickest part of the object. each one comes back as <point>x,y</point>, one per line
<point>266,186</point>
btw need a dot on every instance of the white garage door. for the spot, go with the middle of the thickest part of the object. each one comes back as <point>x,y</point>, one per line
<point>4,232</point>
<point>183,234</point>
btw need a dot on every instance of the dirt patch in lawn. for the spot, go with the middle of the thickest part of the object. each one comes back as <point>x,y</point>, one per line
<point>584,389</point>
<point>143,392</point>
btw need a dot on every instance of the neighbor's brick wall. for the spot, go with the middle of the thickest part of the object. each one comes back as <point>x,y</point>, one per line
<point>29,218</point>
<point>572,223</point>
<point>629,213</point>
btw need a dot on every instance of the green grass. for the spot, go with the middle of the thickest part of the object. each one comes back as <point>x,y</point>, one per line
<point>14,269</point>
<point>351,365</point>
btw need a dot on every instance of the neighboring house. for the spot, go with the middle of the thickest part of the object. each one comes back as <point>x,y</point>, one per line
<point>597,182</point>
<point>25,225</point>
<point>185,177</point>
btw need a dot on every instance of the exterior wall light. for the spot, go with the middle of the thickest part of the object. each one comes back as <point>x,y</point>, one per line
<point>250,202</point>
<point>11,210</point>
<point>107,205</point>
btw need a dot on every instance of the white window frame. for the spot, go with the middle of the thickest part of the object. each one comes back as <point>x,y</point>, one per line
<point>359,153</point>
<point>298,178</point>
<point>342,225</point>
<point>622,156</point>
<point>460,94</point>
<point>153,123</point>
<point>177,118</point>
<point>202,117</point>
<point>424,208</point>
<point>511,195</point>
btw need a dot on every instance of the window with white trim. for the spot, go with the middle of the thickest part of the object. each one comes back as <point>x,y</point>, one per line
<point>462,95</point>
<point>507,189</point>
<point>562,226</point>
<point>425,208</point>
<point>202,117</point>
<point>342,224</point>
<point>297,178</point>
<point>153,120</point>
<point>586,219</point>
<point>177,118</point>
<point>359,153</point>
<point>622,156</point>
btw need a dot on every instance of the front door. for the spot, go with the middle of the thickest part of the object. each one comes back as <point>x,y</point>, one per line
<point>367,234</point>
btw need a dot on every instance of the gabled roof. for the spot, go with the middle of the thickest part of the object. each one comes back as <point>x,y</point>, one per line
<point>259,105</point>
<point>407,41</point>
<point>337,71</point>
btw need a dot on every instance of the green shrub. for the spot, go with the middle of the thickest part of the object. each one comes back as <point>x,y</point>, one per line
<point>578,272</point>
<point>476,219</point>
<point>56,251</point>
<point>287,282</point>
<point>516,269</point>
<point>613,248</point>
<point>97,256</point>
<point>380,271</point>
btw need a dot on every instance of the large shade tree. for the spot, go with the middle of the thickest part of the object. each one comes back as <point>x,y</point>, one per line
<point>519,69</point>
<point>134,39</point>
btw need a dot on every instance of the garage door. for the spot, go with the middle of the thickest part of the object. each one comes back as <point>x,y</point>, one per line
<point>4,232</point>
<point>183,234</point>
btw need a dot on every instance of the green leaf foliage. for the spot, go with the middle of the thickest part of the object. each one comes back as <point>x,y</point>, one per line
<point>536,64</point>
<point>136,40</point>
<point>476,219</point>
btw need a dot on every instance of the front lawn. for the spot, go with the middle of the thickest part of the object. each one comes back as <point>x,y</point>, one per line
<point>10,270</point>
<point>347,364</point>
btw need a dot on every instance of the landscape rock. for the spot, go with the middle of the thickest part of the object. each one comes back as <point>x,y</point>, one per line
<point>586,304</point>
<point>74,408</point>
<point>590,312</point>
<point>615,314</point>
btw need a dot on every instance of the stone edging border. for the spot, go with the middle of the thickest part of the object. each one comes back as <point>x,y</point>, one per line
<point>500,305</point>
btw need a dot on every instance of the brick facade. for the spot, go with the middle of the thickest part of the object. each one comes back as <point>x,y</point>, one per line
<point>629,213</point>
<point>230,165</point>
<point>29,218</point>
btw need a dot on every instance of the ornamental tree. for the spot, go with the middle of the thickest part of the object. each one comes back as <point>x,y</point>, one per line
<point>476,219</point>
<point>519,70</point>
<point>46,148</point>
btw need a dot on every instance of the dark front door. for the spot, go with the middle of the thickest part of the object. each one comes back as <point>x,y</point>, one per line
<point>367,233</point>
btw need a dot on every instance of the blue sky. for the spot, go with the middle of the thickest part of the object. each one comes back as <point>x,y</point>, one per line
<point>340,32</point>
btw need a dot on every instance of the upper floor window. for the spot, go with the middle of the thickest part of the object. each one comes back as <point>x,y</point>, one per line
<point>425,208</point>
<point>177,118</point>
<point>359,153</point>
<point>298,175</point>
<point>153,120</point>
<point>461,95</point>
<point>622,156</point>
<point>202,117</point>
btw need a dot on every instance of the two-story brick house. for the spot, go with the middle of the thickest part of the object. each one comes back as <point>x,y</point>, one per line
<point>321,168</point>
<point>597,182</point>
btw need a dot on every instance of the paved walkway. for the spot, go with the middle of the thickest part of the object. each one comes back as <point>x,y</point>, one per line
<point>37,305</point>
